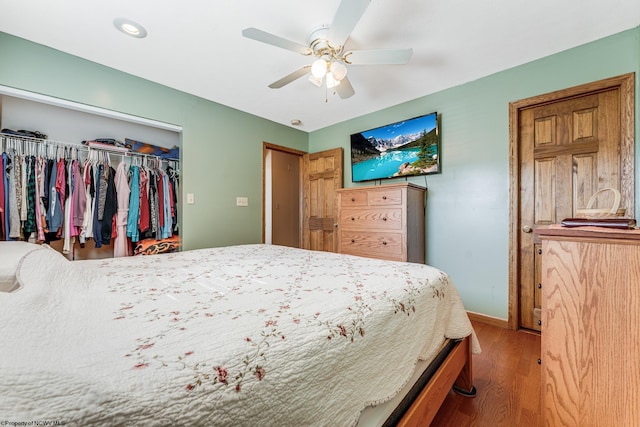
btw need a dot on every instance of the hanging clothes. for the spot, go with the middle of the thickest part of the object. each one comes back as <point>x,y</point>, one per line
<point>110,205</point>
<point>21,189</point>
<point>171,173</point>
<point>167,226</point>
<point>29,207</point>
<point>134,205</point>
<point>14,211</point>
<point>48,195</point>
<point>144,219</point>
<point>4,198</point>
<point>79,196</point>
<point>101,195</point>
<point>97,222</point>
<point>161,209</point>
<point>70,185</point>
<point>44,196</point>
<point>154,224</point>
<point>86,229</point>
<point>121,243</point>
<point>54,214</point>
<point>61,187</point>
<point>40,165</point>
<point>175,182</point>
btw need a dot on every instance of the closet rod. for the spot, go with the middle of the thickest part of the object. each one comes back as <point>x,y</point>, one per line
<point>82,147</point>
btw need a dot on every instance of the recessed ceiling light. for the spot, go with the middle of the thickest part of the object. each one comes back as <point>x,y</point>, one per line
<point>130,28</point>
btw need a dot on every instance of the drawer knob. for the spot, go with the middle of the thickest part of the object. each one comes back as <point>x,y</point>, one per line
<point>353,199</point>
<point>384,197</point>
<point>539,251</point>
<point>539,322</point>
<point>384,219</point>
<point>353,219</point>
<point>539,285</point>
<point>384,243</point>
<point>353,241</point>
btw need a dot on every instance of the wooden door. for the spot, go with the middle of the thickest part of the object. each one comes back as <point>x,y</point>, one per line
<point>568,144</point>
<point>322,176</point>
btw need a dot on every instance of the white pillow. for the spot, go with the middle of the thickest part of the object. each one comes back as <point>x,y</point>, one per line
<point>11,252</point>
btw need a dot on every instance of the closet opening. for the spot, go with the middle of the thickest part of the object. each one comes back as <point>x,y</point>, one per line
<point>282,195</point>
<point>68,130</point>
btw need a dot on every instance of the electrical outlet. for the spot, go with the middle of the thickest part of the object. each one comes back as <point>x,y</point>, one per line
<point>242,201</point>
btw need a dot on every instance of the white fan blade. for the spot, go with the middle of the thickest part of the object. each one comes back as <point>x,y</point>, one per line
<point>268,38</point>
<point>348,14</point>
<point>344,89</point>
<point>378,56</point>
<point>291,77</point>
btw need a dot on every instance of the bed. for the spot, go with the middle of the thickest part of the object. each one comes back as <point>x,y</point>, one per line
<point>239,335</point>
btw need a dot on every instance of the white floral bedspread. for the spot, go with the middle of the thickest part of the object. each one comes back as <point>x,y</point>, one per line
<point>252,335</point>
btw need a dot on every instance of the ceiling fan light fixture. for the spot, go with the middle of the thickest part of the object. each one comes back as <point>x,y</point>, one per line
<point>331,80</point>
<point>338,70</point>
<point>319,68</point>
<point>326,48</point>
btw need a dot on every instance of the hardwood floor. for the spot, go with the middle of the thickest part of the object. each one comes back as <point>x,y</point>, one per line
<point>507,377</point>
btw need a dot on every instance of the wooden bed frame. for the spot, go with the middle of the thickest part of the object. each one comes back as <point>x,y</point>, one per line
<point>456,372</point>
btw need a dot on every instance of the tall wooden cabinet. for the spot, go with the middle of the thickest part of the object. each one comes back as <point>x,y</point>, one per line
<point>590,327</point>
<point>385,222</point>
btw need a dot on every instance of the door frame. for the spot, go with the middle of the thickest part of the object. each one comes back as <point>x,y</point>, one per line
<point>626,85</point>
<point>266,146</point>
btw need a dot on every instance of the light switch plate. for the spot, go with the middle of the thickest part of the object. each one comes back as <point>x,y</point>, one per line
<point>242,201</point>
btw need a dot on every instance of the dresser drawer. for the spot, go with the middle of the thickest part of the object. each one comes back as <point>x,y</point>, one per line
<point>353,198</point>
<point>385,197</point>
<point>371,219</point>
<point>372,244</point>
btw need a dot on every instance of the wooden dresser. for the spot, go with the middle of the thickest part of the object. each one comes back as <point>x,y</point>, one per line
<point>590,327</point>
<point>385,222</point>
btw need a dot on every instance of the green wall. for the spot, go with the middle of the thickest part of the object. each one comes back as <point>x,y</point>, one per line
<point>468,204</point>
<point>221,155</point>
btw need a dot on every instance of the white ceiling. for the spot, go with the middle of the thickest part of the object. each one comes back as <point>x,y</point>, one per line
<point>196,46</point>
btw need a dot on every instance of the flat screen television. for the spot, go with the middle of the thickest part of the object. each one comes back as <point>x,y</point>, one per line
<point>406,148</point>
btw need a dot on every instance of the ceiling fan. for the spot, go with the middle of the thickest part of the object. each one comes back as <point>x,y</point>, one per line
<point>326,43</point>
